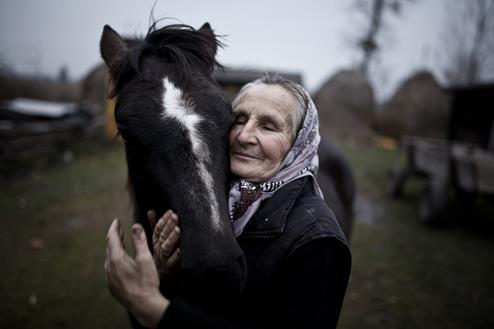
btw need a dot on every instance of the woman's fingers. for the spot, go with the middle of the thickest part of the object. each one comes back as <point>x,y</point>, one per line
<point>158,229</point>
<point>168,244</point>
<point>174,258</point>
<point>114,238</point>
<point>166,235</point>
<point>143,254</point>
<point>139,240</point>
<point>171,223</point>
<point>122,235</point>
<point>134,282</point>
<point>168,256</point>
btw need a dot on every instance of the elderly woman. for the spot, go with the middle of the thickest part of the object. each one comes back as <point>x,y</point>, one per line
<point>297,256</point>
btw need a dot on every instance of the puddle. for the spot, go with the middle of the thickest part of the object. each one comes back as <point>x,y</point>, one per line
<point>367,210</point>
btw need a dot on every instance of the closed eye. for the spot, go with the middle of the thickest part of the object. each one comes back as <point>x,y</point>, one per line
<point>240,120</point>
<point>269,124</point>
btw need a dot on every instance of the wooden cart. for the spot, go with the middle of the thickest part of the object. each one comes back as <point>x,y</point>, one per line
<point>458,169</point>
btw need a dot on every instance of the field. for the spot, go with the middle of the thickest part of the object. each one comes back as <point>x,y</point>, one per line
<point>54,217</point>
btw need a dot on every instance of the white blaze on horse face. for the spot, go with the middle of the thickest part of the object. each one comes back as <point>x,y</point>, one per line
<point>175,107</point>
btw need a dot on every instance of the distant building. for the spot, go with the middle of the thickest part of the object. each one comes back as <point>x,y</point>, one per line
<point>232,79</point>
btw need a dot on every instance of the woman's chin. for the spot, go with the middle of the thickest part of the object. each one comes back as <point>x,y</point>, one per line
<point>243,170</point>
<point>239,170</point>
<point>250,174</point>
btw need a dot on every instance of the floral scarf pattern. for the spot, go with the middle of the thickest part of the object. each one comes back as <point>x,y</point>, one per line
<point>301,160</point>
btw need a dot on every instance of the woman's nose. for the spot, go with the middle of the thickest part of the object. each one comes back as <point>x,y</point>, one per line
<point>246,134</point>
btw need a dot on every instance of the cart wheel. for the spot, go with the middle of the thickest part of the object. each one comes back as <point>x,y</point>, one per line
<point>434,204</point>
<point>464,203</point>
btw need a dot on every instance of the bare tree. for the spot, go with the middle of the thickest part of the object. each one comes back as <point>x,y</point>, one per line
<point>63,74</point>
<point>6,66</point>
<point>468,42</point>
<point>374,11</point>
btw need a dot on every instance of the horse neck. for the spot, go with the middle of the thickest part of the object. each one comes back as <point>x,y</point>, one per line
<point>203,213</point>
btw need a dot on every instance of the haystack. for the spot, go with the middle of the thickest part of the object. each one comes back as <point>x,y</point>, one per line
<point>346,105</point>
<point>419,107</point>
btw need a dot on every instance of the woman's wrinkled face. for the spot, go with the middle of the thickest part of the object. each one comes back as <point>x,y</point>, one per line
<point>261,134</point>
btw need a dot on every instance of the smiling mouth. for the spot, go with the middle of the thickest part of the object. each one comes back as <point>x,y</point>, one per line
<point>245,155</point>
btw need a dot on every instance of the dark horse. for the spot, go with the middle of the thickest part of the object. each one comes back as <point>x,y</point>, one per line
<point>337,183</point>
<point>174,119</point>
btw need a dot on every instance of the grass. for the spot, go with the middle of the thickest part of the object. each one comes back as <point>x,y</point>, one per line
<point>52,232</point>
<point>53,222</point>
<point>406,275</point>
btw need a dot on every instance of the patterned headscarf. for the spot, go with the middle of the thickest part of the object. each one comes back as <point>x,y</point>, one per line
<point>301,160</point>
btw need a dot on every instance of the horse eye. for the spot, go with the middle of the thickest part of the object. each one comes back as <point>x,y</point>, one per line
<point>123,134</point>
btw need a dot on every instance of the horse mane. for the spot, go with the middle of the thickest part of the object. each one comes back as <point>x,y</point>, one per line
<point>179,44</point>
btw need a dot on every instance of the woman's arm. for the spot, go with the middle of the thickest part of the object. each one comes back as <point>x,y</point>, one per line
<point>309,290</point>
<point>313,284</point>
<point>309,293</point>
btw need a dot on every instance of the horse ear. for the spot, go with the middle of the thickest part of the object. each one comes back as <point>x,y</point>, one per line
<point>112,47</point>
<point>208,32</point>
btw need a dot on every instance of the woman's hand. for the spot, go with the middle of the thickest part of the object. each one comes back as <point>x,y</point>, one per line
<point>166,235</point>
<point>134,281</point>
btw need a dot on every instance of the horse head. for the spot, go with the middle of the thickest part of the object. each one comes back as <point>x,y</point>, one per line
<point>175,119</point>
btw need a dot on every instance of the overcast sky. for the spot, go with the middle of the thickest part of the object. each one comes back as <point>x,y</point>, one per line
<point>307,37</point>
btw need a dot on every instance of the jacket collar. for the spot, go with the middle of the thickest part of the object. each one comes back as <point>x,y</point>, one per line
<point>270,218</point>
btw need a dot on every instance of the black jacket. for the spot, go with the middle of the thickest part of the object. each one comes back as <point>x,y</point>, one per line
<point>298,265</point>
